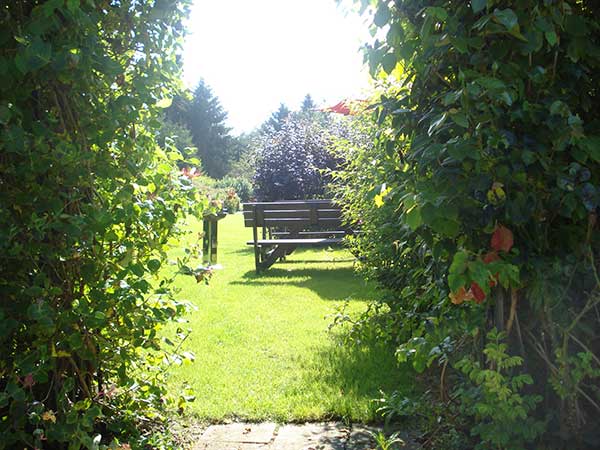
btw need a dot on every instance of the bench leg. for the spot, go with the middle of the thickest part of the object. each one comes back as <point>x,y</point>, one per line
<point>272,256</point>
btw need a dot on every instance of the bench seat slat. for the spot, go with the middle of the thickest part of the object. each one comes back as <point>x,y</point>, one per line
<point>311,241</point>
<point>321,233</point>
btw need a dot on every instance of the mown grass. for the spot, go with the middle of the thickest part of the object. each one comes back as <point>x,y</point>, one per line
<point>262,346</point>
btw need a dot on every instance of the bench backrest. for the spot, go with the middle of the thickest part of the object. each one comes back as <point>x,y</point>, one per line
<point>293,214</point>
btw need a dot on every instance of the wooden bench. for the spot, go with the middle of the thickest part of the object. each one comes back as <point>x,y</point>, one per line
<point>286,225</point>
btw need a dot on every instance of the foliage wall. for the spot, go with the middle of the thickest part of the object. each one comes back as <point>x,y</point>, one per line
<point>88,204</point>
<point>478,207</point>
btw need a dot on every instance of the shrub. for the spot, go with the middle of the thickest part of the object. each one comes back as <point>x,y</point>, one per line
<point>291,162</point>
<point>213,190</point>
<point>242,186</point>
<point>88,204</point>
<point>231,202</point>
<point>478,203</point>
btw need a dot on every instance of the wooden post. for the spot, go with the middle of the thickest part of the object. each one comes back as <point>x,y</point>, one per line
<point>206,242</point>
<point>255,237</point>
<point>213,242</point>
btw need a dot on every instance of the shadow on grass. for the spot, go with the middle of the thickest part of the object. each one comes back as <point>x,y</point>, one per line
<point>339,283</point>
<point>357,373</point>
<point>243,251</point>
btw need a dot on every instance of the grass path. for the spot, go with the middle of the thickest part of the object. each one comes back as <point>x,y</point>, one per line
<point>262,345</point>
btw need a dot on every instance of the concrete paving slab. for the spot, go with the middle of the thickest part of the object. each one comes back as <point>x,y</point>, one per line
<point>229,446</point>
<point>240,433</point>
<point>361,438</point>
<point>311,436</point>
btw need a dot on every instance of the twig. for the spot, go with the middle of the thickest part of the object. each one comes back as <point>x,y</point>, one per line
<point>586,348</point>
<point>442,383</point>
<point>513,310</point>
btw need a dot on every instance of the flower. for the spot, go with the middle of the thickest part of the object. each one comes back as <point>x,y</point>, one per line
<point>48,416</point>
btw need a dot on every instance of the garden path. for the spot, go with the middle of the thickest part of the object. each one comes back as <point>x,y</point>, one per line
<point>308,436</point>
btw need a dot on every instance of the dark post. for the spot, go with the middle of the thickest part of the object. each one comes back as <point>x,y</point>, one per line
<point>209,240</point>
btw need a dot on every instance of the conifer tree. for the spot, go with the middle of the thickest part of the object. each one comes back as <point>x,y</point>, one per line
<point>308,105</point>
<point>278,118</point>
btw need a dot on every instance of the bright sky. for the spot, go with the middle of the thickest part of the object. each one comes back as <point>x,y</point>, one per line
<point>256,54</point>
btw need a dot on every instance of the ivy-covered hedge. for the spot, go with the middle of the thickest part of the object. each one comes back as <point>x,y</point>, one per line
<point>88,203</point>
<point>479,205</point>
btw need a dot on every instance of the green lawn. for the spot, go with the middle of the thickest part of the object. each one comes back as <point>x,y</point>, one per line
<point>262,345</point>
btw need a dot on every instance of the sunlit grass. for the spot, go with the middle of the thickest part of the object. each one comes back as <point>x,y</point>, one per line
<point>262,345</point>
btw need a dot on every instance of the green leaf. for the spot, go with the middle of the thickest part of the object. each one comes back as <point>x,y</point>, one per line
<point>437,12</point>
<point>478,5</point>
<point>506,97</point>
<point>388,62</point>
<point>413,218</point>
<point>445,226</point>
<point>551,37</point>
<point>591,145</point>
<point>164,103</point>
<point>436,124</point>
<point>461,119</point>
<point>154,265</point>
<point>382,16</point>
<point>34,56</point>
<point>507,17</point>
<point>490,83</point>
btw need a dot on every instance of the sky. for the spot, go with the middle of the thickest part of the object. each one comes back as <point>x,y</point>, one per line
<point>255,54</point>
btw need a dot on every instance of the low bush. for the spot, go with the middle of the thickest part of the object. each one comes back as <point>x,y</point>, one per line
<point>241,186</point>
<point>215,191</point>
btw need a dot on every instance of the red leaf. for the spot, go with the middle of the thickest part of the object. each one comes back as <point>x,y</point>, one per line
<point>490,257</point>
<point>477,293</point>
<point>461,295</point>
<point>28,381</point>
<point>502,239</point>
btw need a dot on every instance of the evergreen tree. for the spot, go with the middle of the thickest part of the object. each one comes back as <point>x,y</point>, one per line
<point>206,121</point>
<point>277,119</point>
<point>308,105</point>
